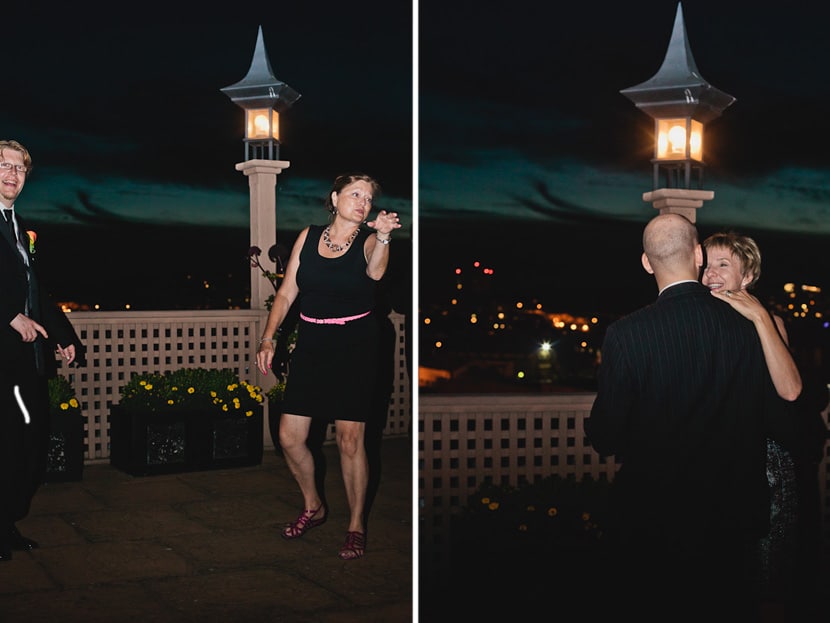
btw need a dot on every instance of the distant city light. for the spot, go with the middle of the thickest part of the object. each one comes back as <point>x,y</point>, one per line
<point>457,271</point>
<point>427,320</point>
<point>439,344</point>
<point>519,305</point>
<point>520,374</point>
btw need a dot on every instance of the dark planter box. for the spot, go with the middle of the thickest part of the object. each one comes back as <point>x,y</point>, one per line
<point>149,444</point>
<point>65,458</point>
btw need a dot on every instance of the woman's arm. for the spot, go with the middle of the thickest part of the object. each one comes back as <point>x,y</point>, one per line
<point>773,334</point>
<point>283,299</point>
<point>375,251</point>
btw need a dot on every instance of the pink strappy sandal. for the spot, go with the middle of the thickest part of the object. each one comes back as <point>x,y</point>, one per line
<point>304,523</point>
<point>354,547</point>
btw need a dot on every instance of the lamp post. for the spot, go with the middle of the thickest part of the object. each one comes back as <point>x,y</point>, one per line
<point>681,103</point>
<point>263,97</point>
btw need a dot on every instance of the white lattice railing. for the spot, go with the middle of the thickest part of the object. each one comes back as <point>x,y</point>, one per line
<point>120,344</point>
<point>467,440</point>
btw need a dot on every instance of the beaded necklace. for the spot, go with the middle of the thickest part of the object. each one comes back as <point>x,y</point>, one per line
<point>337,247</point>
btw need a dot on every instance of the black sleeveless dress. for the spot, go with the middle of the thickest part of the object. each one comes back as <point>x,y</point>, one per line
<point>332,371</point>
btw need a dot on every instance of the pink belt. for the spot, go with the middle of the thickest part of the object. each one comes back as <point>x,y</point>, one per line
<point>334,320</point>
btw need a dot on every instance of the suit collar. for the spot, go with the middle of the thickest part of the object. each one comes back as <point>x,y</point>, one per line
<point>681,287</point>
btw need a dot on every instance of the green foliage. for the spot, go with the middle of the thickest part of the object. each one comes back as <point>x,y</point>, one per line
<point>62,399</point>
<point>284,343</point>
<point>191,389</point>
<point>276,393</point>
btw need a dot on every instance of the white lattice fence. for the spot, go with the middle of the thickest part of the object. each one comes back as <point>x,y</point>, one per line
<point>120,344</point>
<point>467,440</point>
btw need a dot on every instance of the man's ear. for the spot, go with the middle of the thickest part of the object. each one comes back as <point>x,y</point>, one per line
<point>647,264</point>
<point>698,256</point>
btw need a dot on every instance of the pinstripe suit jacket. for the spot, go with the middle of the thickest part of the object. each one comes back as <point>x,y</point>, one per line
<point>684,400</point>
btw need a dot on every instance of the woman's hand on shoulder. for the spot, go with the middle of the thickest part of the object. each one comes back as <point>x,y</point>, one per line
<point>743,302</point>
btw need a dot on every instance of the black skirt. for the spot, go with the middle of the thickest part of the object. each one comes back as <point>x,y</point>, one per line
<point>332,373</point>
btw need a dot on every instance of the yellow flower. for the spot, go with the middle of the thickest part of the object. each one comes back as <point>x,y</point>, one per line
<point>73,402</point>
<point>485,500</point>
<point>493,506</point>
<point>64,406</point>
<point>170,401</point>
<point>191,390</point>
<point>249,413</point>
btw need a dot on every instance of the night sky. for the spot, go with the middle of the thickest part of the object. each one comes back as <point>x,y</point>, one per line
<point>532,161</point>
<point>528,156</point>
<point>132,138</point>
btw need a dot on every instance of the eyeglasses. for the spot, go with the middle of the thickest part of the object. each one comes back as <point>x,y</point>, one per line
<point>8,166</point>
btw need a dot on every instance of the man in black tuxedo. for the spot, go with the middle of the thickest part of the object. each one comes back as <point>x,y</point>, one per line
<point>682,403</point>
<point>32,328</point>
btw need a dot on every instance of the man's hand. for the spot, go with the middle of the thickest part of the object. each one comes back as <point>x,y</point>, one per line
<point>67,353</point>
<point>27,328</point>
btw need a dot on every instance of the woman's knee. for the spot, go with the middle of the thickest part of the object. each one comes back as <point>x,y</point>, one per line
<point>350,438</point>
<point>292,433</point>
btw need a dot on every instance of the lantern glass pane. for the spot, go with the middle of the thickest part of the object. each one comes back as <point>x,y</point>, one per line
<point>261,124</point>
<point>678,137</point>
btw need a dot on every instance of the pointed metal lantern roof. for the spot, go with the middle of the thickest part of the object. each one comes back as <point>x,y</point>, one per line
<point>677,89</point>
<point>260,88</point>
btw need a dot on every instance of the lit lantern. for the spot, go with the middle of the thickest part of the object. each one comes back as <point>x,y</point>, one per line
<point>681,102</point>
<point>263,97</point>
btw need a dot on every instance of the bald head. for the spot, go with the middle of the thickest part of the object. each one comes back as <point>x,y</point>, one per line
<point>670,249</point>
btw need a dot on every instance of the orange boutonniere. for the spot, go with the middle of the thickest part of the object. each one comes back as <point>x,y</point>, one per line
<point>32,238</point>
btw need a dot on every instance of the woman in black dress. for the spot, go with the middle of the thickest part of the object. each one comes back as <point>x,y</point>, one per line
<point>333,272</point>
<point>732,269</point>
